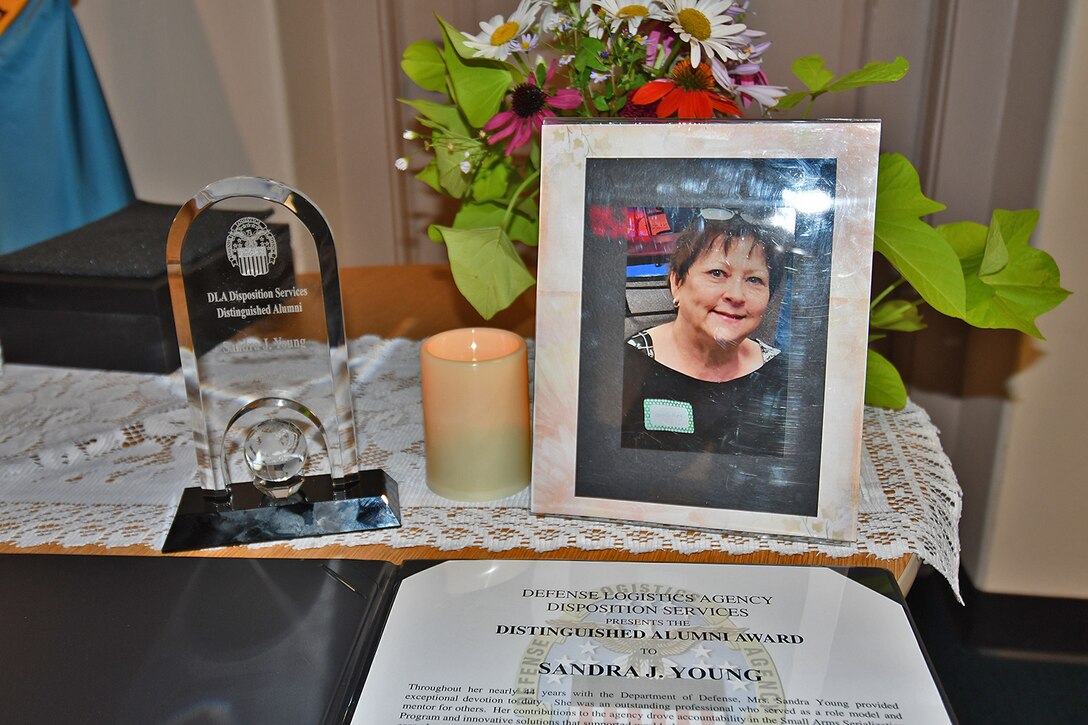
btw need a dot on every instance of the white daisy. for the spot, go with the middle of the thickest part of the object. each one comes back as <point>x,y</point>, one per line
<point>594,25</point>
<point>753,83</point>
<point>620,12</point>
<point>493,40</point>
<point>553,20</point>
<point>766,96</point>
<point>525,43</point>
<point>707,26</point>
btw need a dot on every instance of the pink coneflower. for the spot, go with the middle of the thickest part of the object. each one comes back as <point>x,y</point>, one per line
<point>529,106</point>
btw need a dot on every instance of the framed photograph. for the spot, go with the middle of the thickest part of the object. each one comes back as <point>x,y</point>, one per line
<point>702,321</point>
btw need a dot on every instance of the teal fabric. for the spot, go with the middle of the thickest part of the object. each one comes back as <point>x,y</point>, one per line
<point>60,162</point>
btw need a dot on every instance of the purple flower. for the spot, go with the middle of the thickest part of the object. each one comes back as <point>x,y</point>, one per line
<point>529,106</point>
<point>658,46</point>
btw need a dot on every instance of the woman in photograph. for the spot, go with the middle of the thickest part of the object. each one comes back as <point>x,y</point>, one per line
<point>703,381</point>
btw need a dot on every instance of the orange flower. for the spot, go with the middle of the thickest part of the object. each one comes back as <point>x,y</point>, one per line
<point>689,93</point>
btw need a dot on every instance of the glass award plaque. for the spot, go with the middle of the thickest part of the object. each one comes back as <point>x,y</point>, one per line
<point>263,351</point>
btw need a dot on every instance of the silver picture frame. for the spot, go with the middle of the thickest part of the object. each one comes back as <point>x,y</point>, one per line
<point>777,451</point>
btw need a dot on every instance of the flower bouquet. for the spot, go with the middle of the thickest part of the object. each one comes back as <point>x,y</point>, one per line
<point>686,59</point>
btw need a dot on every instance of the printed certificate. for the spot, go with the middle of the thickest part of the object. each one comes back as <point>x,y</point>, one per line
<point>545,642</point>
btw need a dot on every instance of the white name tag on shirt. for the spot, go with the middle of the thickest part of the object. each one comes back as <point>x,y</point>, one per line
<point>674,416</point>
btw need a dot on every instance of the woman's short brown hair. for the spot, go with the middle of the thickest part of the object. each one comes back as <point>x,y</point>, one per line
<point>700,236</point>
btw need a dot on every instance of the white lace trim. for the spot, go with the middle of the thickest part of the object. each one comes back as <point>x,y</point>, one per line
<point>101,458</point>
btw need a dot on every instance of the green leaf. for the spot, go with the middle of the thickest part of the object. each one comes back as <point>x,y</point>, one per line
<point>534,153</point>
<point>429,175</point>
<point>1015,227</point>
<point>819,80</point>
<point>477,85</point>
<point>1012,305</point>
<point>883,386</point>
<point>589,55</point>
<point>810,70</point>
<point>600,103</point>
<point>522,225</point>
<point>968,240</point>
<point>454,181</point>
<point>422,62</point>
<point>492,180</point>
<point>1026,286</point>
<point>790,100</point>
<point>441,116</point>
<point>528,206</point>
<point>486,268</point>
<point>899,315</point>
<point>1007,230</point>
<point>913,247</point>
<point>455,39</point>
<point>872,74</point>
<point>995,254</point>
<point>899,189</point>
<point>925,261</point>
<point>435,233</point>
<point>475,216</point>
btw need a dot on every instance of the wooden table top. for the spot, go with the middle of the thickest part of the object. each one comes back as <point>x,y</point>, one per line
<point>903,569</point>
<point>415,301</point>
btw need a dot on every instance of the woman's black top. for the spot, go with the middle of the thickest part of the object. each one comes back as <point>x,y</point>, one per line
<point>667,410</point>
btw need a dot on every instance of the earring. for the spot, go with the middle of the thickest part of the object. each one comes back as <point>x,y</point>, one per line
<point>676,302</point>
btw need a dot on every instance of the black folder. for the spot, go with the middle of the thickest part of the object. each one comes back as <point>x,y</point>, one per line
<point>114,639</point>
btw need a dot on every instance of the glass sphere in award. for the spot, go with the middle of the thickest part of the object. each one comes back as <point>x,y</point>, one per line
<point>275,451</point>
<point>255,289</point>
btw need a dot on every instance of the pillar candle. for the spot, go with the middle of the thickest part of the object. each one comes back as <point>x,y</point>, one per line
<point>476,413</point>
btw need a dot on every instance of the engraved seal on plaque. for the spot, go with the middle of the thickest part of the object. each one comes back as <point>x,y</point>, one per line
<point>251,247</point>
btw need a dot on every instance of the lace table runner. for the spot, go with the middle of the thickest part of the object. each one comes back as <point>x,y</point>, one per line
<point>101,458</point>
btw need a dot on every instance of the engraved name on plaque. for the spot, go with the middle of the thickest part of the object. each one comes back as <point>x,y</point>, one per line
<point>264,357</point>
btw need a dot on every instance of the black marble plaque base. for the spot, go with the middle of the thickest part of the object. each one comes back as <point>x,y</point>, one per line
<point>368,502</point>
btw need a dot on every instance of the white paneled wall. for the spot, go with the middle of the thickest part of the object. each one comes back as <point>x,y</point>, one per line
<point>196,90</point>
